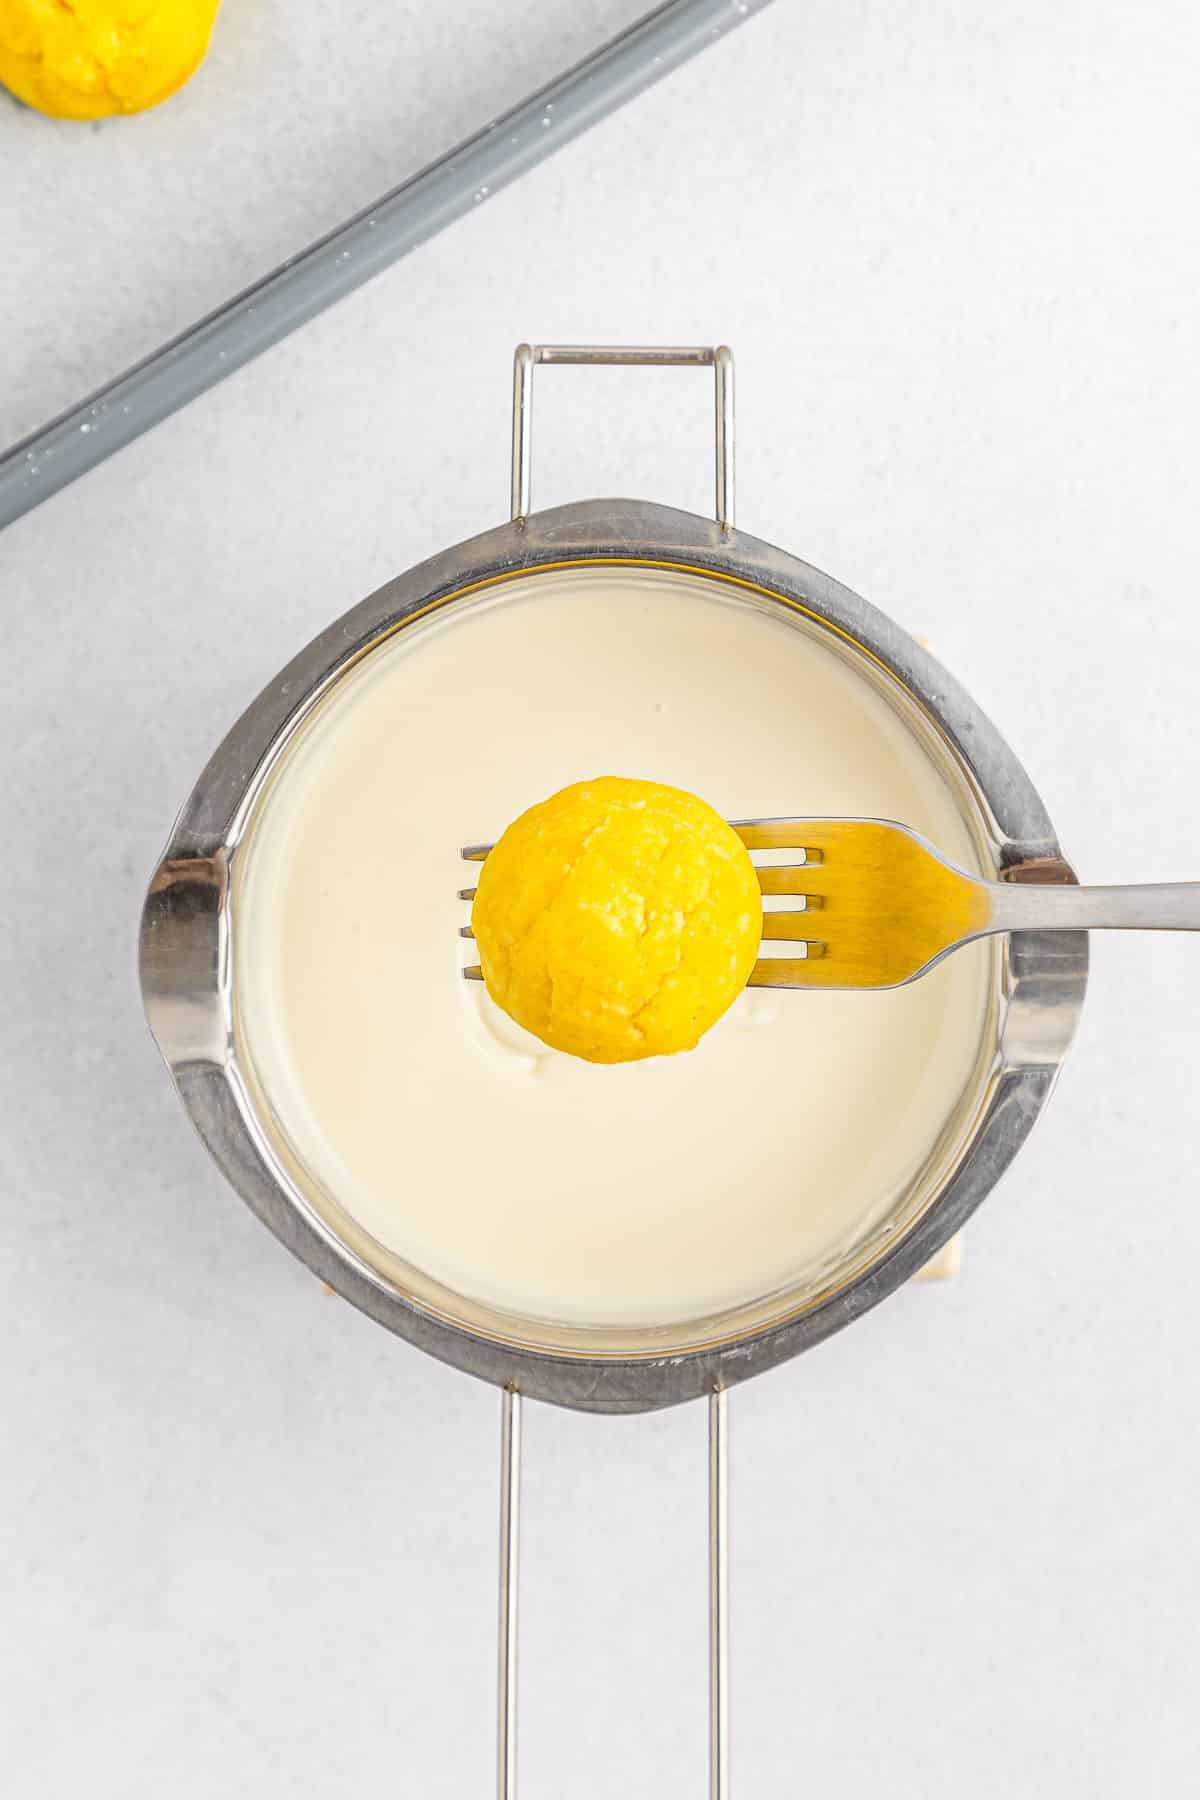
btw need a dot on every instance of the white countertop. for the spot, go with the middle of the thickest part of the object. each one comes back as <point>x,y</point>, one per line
<point>248,1540</point>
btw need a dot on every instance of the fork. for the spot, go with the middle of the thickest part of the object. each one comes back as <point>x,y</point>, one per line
<point>877,906</point>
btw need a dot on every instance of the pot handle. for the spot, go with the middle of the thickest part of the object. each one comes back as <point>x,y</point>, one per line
<point>718,358</point>
<point>718,1595</point>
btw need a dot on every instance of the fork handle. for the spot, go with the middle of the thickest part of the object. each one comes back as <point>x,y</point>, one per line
<point>1162,906</point>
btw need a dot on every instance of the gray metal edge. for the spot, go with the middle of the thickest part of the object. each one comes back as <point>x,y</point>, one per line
<point>402,219</point>
<point>181,948</point>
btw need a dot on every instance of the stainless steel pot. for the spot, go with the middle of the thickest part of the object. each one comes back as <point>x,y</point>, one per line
<point>188,946</point>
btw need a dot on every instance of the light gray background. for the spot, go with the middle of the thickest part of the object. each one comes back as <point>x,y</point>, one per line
<point>248,1541</point>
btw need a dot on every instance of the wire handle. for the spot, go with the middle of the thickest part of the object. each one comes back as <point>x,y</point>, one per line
<point>719,359</point>
<point>510,1526</point>
<point>527,356</point>
<point>718,1596</point>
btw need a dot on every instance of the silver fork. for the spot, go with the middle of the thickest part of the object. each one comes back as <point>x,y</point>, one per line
<point>890,907</point>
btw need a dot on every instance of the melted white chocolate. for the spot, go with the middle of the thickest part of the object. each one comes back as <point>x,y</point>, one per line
<point>645,1193</point>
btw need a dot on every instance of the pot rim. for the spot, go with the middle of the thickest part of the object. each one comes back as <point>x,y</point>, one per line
<point>184,943</point>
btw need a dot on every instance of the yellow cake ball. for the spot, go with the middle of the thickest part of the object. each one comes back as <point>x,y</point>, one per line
<point>83,59</point>
<point>618,920</point>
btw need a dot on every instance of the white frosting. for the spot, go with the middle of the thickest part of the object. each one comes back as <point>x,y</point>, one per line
<point>644,1193</point>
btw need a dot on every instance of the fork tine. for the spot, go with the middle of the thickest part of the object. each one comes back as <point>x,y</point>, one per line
<point>756,834</point>
<point>780,834</point>
<point>792,927</point>
<point>790,878</point>
<point>787,971</point>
